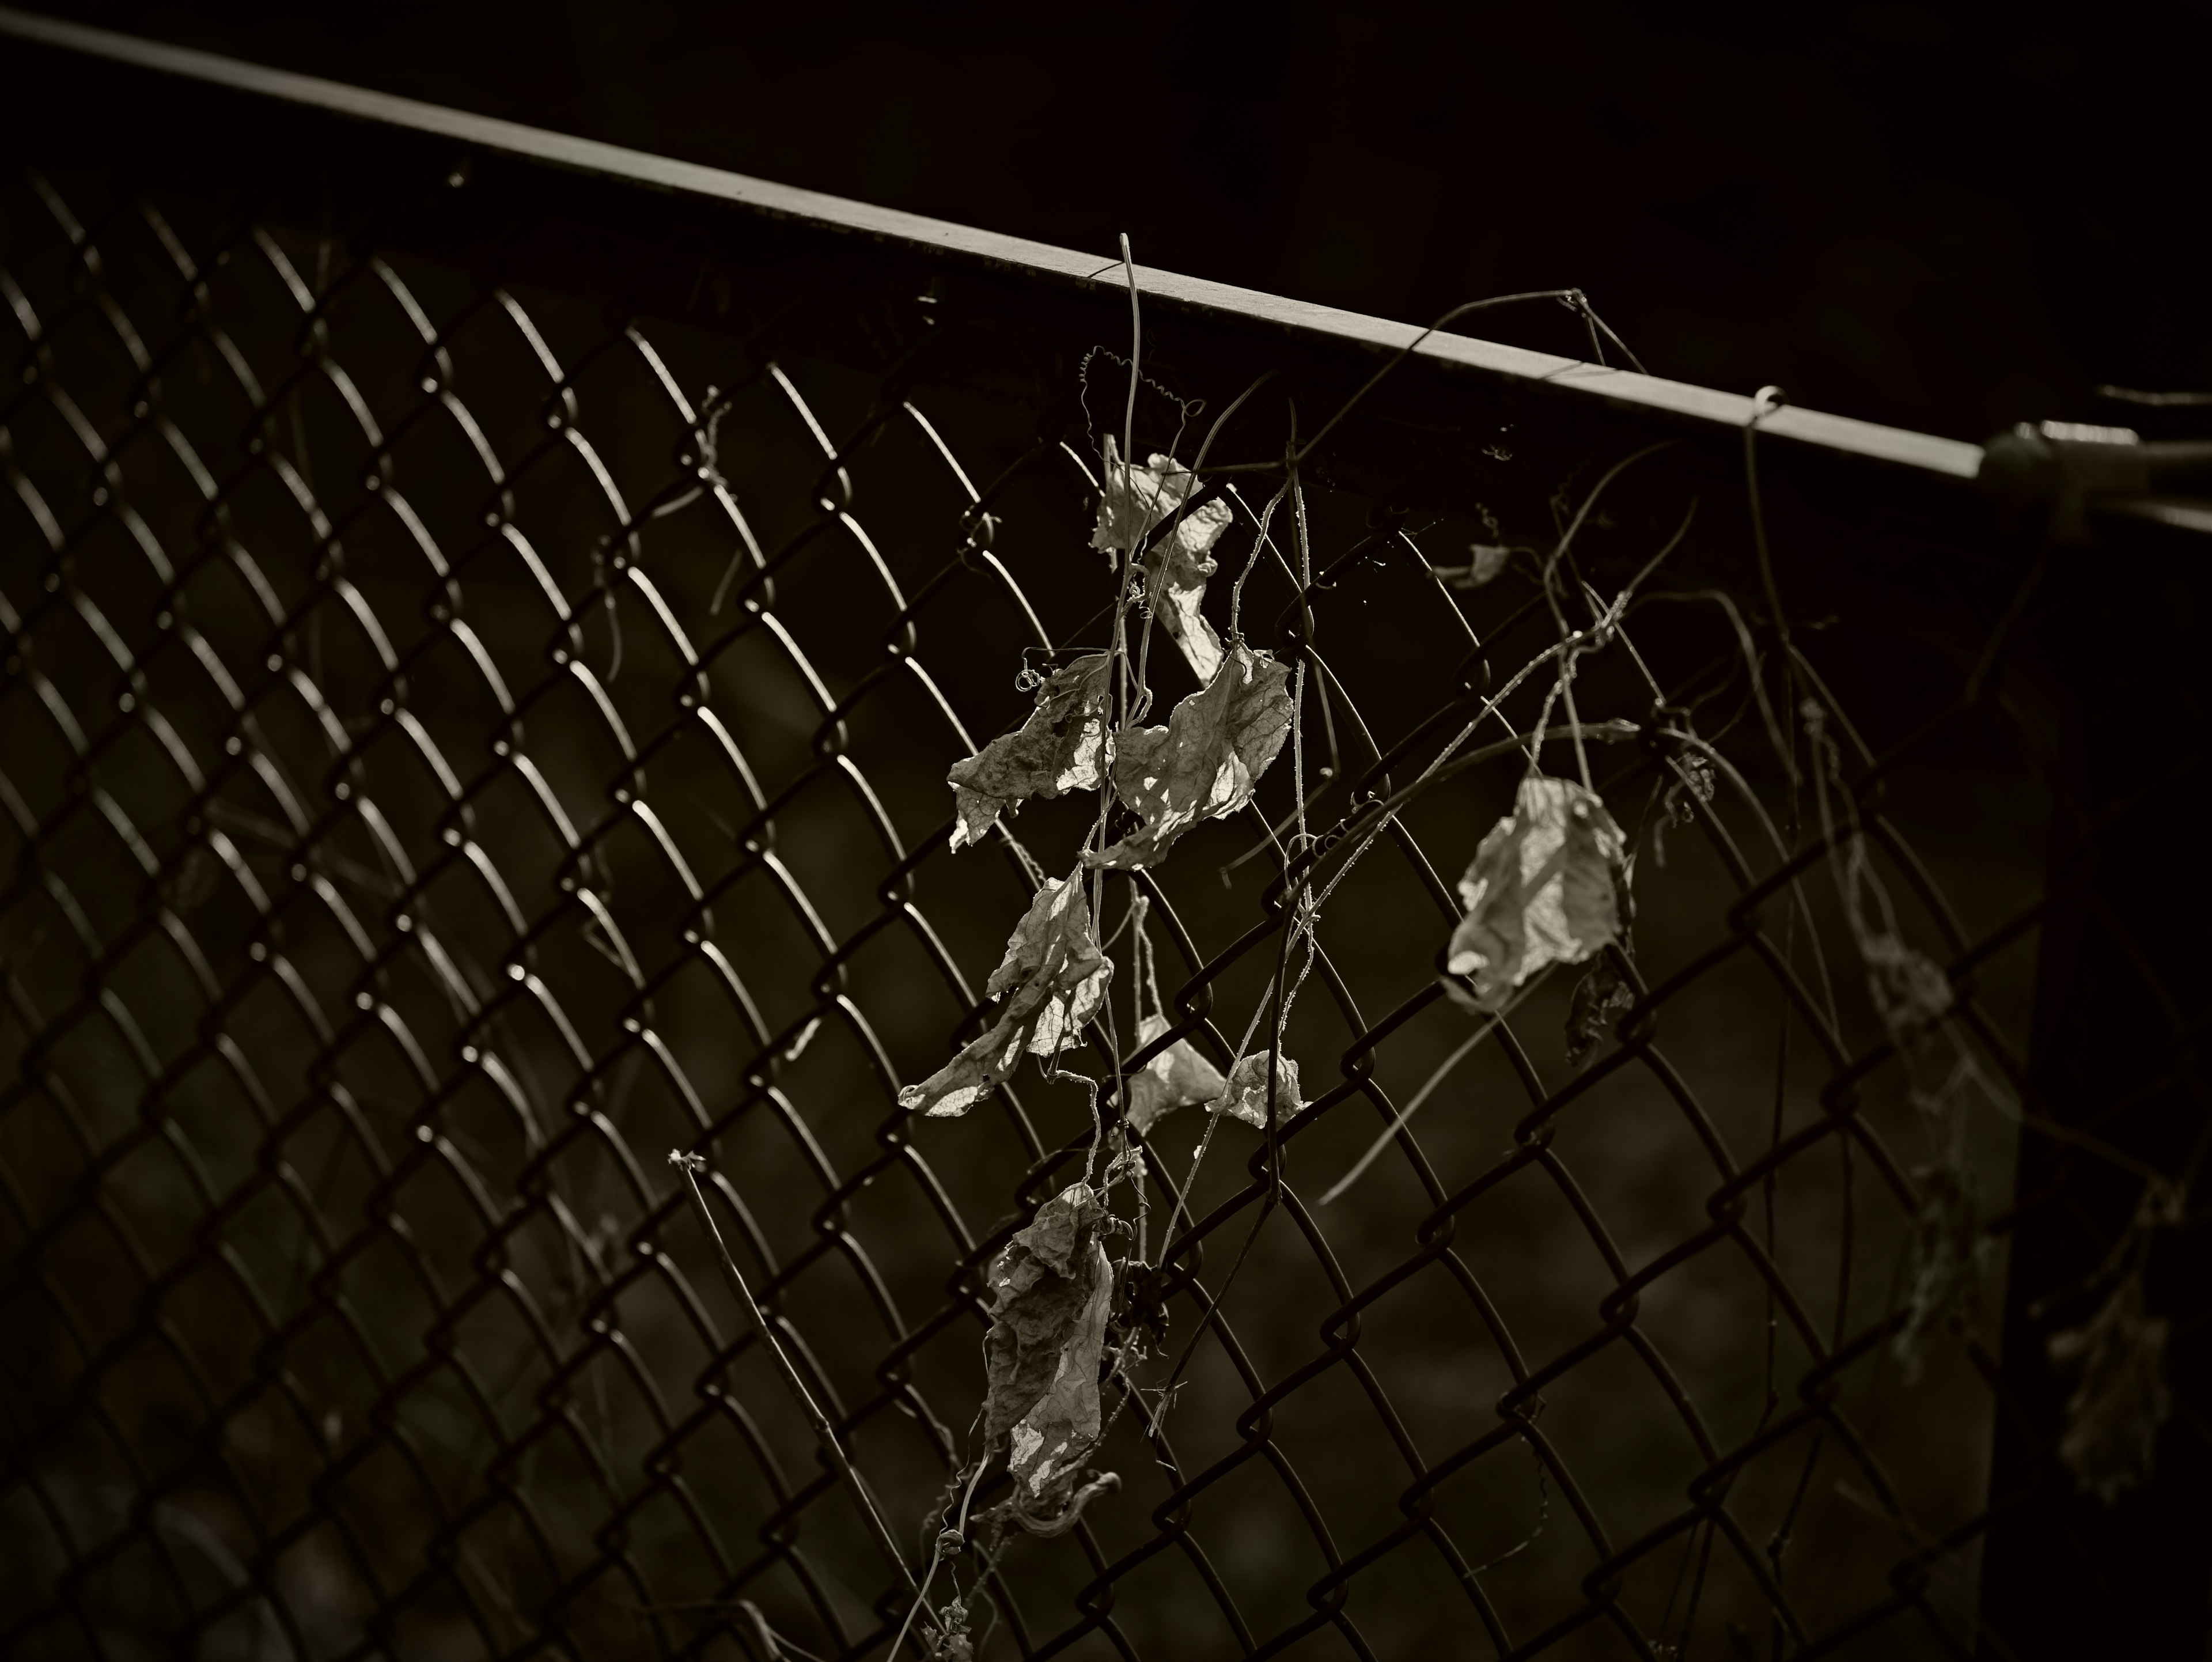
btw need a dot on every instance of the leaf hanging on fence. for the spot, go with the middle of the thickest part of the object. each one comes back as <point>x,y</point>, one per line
<point>1178,1077</point>
<point>1602,998</point>
<point>951,1642</point>
<point>1051,1287</point>
<point>1948,1252</point>
<point>1484,561</point>
<point>1913,996</point>
<point>1063,746</point>
<point>1135,499</point>
<point>1174,577</point>
<point>1055,977</point>
<point>1544,888</point>
<point>1695,780</point>
<point>1205,763</point>
<point>2112,1419</point>
<point>1245,1096</point>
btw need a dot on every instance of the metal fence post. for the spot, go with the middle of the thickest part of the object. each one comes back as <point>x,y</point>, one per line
<point>2122,996</point>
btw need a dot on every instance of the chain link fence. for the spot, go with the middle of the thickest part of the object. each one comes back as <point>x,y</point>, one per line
<point>474,724</point>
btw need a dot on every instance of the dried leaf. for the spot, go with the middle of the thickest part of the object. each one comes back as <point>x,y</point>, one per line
<point>1245,1096</point>
<point>1174,577</point>
<point>1137,499</point>
<point>1913,996</point>
<point>1051,1287</point>
<point>194,882</point>
<point>1544,888</point>
<point>1484,561</point>
<point>1205,763</point>
<point>1695,779</point>
<point>1948,1253</point>
<point>1700,782</point>
<point>1055,977</point>
<point>1602,998</point>
<point>1178,1077</point>
<point>2113,1417</point>
<point>1063,746</point>
<point>951,1642</point>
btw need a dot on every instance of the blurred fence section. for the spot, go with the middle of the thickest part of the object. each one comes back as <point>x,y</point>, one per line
<point>488,623</point>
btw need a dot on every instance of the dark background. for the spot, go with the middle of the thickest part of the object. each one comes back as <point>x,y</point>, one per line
<point>1915,215</point>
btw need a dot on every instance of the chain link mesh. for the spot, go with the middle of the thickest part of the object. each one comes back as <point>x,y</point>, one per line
<point>463,740</point>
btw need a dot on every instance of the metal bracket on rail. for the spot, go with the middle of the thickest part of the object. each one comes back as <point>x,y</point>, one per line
<point>2079,473</point>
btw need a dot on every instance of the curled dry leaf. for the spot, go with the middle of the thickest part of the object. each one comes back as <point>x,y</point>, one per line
<point>1948,1252</point>
<point>1602,998</point>
<point>1484,561</point>
<point>1205,762</point>
<point>1693,779</point>
<point>1056,979</point>
<point>1063,746</point>
<point>951,1641</point>
<point>1544,888</point>
<point>1700,770</point>
<point>1245,1096</point>
<point>2113,1417</point>
<point>1051,1287</point>
<point>1174,577</point>
<point>195,881</point>
<point>1135,499</point>
<point>1177,1078</point>
<point>1913,996</point>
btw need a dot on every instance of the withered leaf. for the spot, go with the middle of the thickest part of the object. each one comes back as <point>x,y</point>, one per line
<point>1135,499</point>
<point>1205,763</point>
<point>2113,1417</point>
<point>1913,996</point>
<point>1245,1096</point>
<point>1601,997</point>
<point>1695,780</point>
<point>1484,561</point>
<point>1051,1287</point>
<point>1055,978</point>
<point>1545,887</point>
<point>1176,573</point>
<point>1063,746</point>
<point>1178,1077</point>
<point>1946,1254</point>
<point>951,1642</point>
<point>194,882</point>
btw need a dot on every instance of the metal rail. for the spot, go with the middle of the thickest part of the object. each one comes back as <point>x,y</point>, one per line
<point>1701,405</point>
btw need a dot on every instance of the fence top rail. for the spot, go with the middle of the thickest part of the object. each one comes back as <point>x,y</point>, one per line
<point>1701,406</point>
